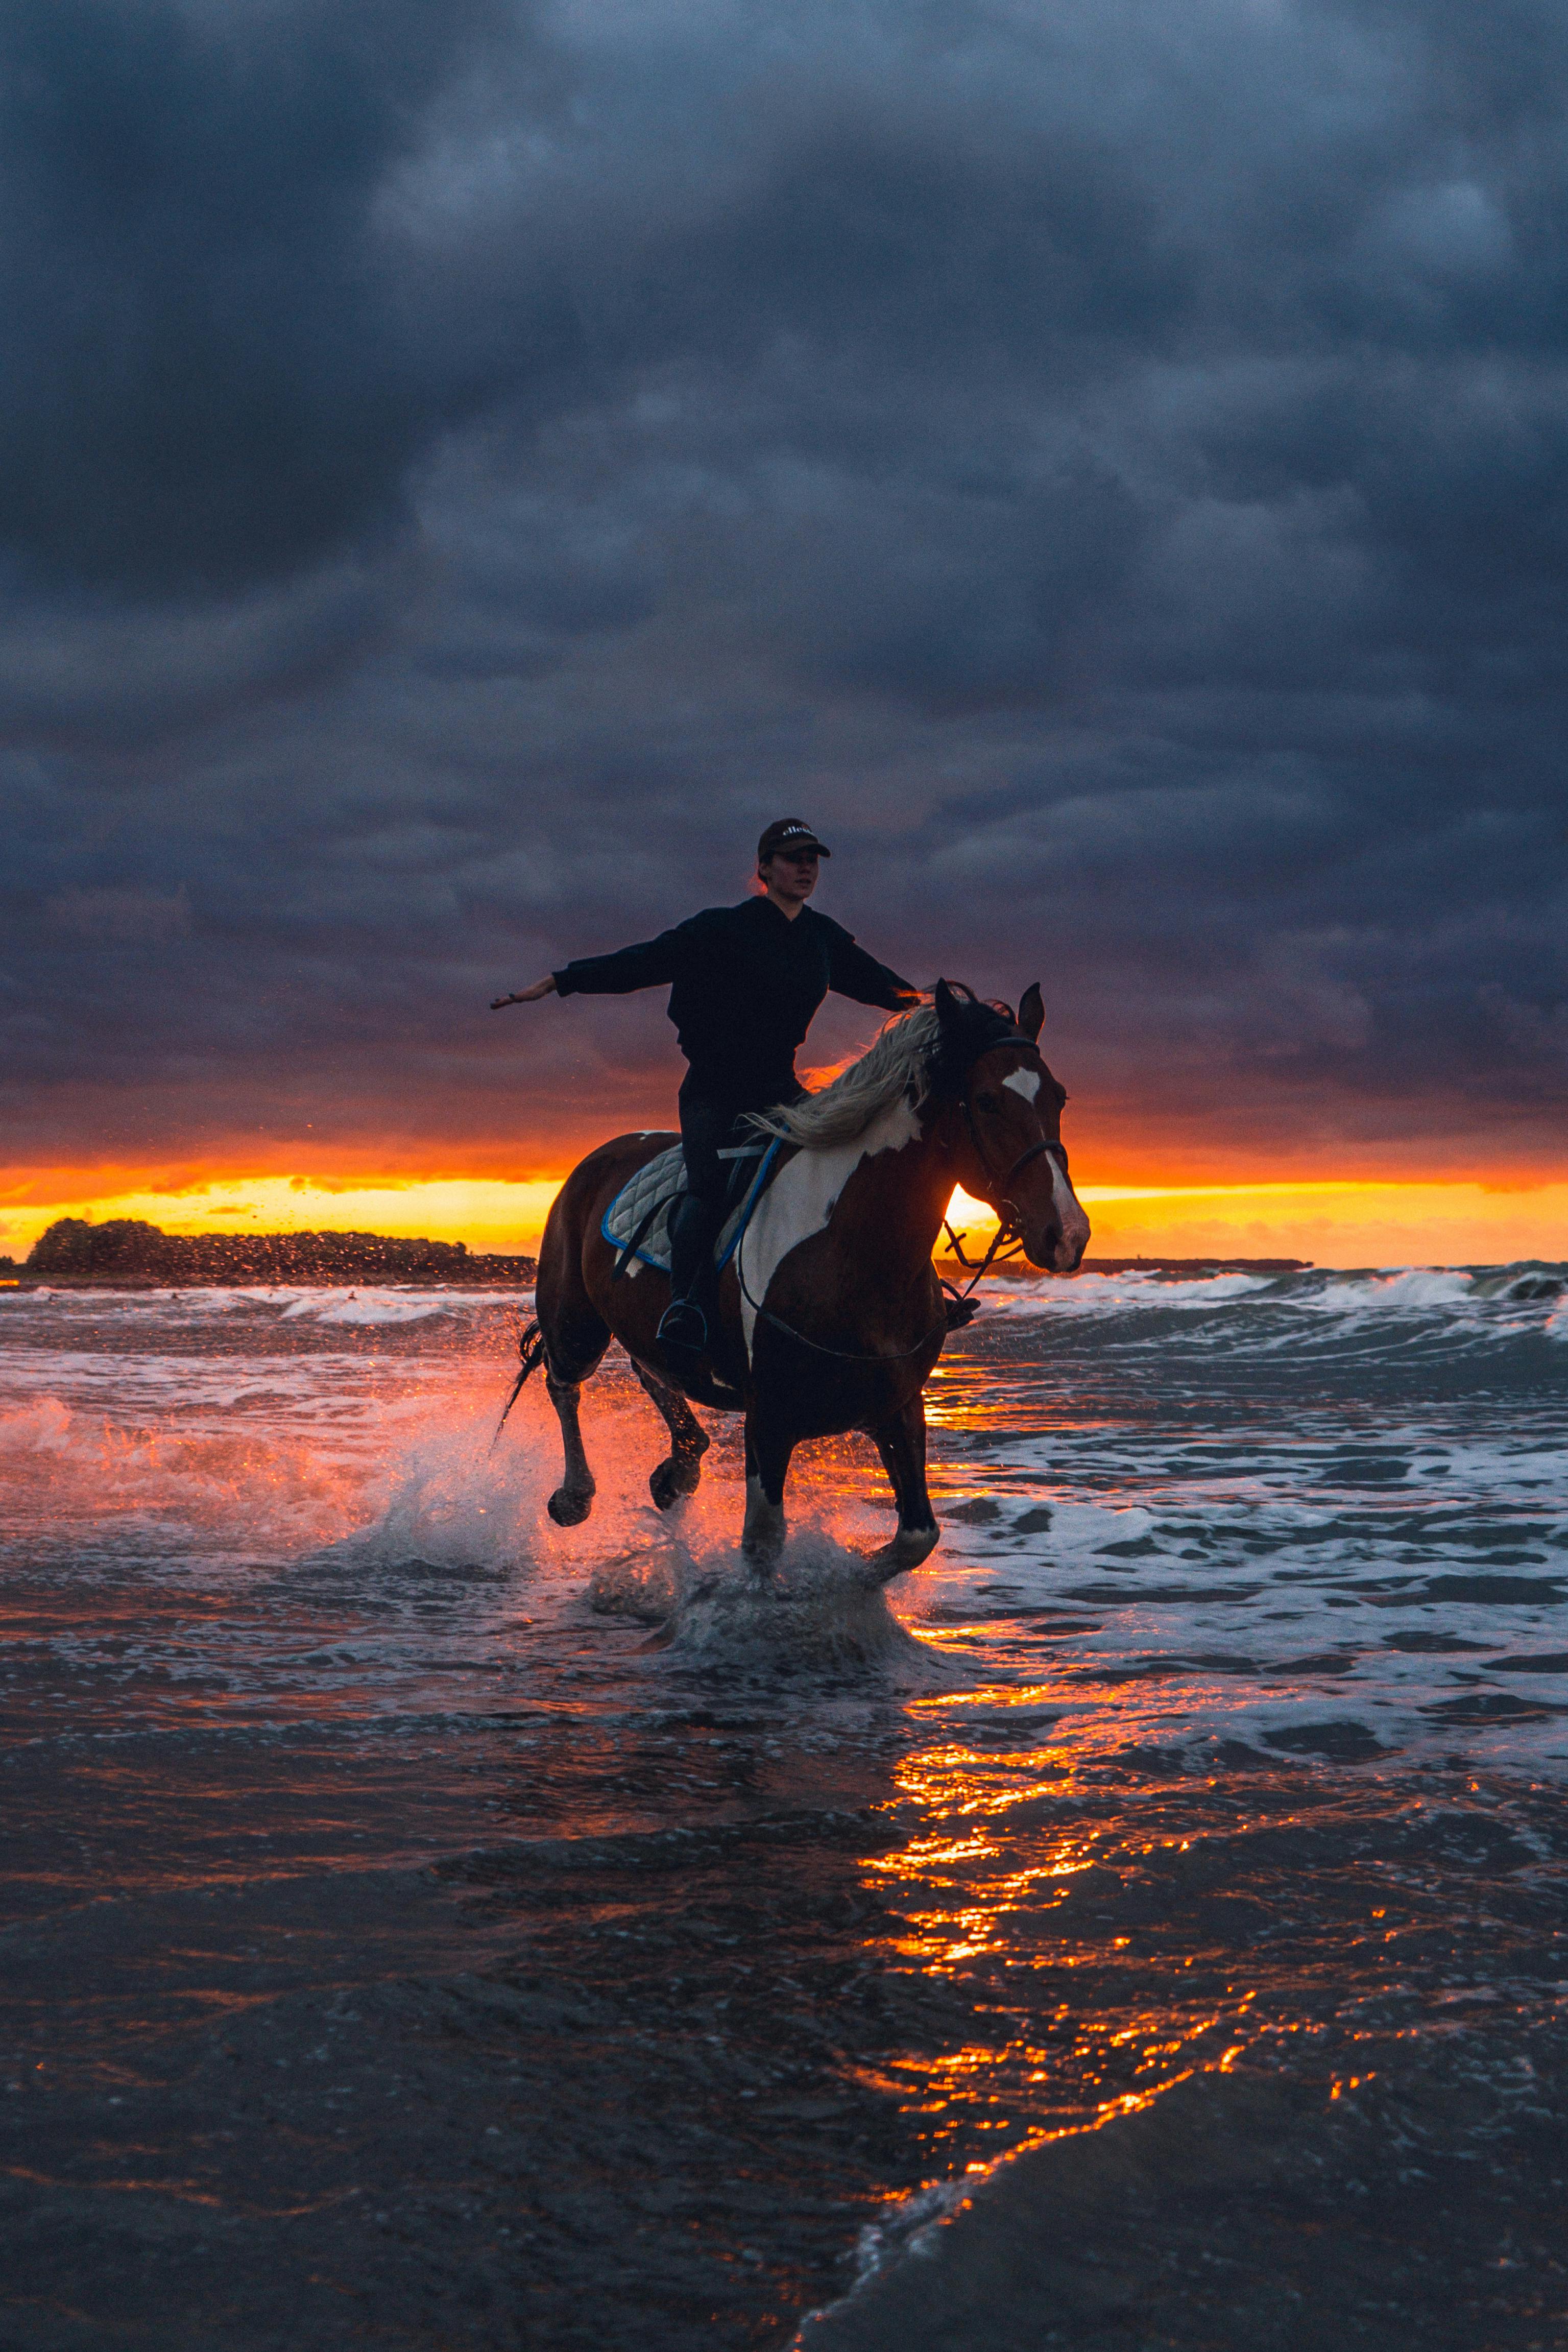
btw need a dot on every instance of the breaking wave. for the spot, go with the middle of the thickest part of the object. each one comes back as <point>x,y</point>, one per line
<point>1433,1309</point>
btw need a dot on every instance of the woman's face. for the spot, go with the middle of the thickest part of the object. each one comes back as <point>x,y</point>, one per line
<point>790,875</point>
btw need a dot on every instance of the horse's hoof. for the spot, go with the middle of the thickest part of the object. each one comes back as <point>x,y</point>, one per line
<point>672,1482</point>
<point>762,1539</point>
<point>910,1546</point>
<point>566,1509</point>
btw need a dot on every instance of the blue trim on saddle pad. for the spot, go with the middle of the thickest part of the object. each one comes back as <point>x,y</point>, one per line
<point>734,1227</point>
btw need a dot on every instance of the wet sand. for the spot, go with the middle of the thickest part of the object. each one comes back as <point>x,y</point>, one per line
<point>1418,2208</point>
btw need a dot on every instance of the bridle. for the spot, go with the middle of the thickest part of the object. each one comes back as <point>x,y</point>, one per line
<point>1007,1208</point>
<point>1008,1242</point>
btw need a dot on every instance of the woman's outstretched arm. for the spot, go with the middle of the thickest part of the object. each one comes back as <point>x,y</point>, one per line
<point>651,963</point>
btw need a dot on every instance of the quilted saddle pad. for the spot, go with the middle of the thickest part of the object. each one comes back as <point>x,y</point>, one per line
<point>638,1219</point>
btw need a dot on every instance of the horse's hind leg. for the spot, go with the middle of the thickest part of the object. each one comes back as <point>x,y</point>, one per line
<point>901,1442</point>
<point>573,1498</point>
<point>678,1473</point>
<point>575,1336</point>
<point>574,1343</point>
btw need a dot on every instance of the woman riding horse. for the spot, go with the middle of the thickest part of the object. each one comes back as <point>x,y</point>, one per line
<point>744,983</point>
<point>829,1314</point>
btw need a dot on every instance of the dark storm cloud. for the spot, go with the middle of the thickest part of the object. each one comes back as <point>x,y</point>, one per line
<point>463,467</point>
<point>205,381</point>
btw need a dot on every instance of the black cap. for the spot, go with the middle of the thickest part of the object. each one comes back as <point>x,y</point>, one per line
<point>789,833</point>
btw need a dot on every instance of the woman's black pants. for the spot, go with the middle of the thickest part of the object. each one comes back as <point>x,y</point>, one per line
<point>707,1127</point>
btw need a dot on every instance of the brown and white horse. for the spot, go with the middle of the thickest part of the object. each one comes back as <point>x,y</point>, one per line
<point>830,1314</point>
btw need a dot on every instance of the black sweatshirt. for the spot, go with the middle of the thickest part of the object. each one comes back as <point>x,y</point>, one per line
<point>744,983</point>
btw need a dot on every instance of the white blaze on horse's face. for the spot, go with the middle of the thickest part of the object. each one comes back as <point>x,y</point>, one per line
<point>1063,1248</point>
<point>803,1196</point>
<point>1074,1239</point>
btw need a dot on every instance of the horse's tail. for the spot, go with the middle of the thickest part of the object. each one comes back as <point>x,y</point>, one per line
<point>531,1350</point>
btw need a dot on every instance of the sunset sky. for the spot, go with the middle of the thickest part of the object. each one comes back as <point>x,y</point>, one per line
<point>465,466</point>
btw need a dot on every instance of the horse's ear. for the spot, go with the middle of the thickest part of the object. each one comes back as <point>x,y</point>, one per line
<point>947,1005</point>
<point>1032,1011</point>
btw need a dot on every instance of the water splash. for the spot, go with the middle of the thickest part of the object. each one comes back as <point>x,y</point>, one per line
<point>816,1609</point>
<point>815,1612</point>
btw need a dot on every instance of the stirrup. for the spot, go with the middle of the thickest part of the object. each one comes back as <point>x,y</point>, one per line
<point>683,1325</point>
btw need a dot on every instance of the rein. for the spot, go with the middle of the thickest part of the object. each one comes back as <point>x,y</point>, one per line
<point>850,1355</point>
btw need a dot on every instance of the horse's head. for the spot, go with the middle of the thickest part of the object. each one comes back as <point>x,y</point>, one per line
<point>1009,1121</point>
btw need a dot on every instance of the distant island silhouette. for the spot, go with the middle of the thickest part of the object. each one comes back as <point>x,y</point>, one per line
<point>129,1252</point>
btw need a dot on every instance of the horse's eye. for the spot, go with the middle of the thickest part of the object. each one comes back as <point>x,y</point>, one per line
<point>987,1102</point>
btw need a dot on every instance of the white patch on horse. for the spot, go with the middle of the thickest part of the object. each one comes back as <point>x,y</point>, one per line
<point>1068,1208</point>
<point>803,1196</point>
<point>1023,1082</point>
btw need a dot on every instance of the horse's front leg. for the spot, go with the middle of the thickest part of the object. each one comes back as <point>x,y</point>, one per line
<point>901,1442</point>
<point>767,1468</point>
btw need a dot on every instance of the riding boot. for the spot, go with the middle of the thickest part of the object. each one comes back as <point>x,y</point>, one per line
<point>694,1229</point>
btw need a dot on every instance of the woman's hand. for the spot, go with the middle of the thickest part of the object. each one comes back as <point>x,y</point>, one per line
<point>545,987</point>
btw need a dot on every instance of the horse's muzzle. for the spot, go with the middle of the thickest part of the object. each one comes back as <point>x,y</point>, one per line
<point>1068,1255</point>
<point>1056,1241</point>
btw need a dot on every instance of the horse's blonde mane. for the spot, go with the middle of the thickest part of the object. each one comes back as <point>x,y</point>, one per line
<point>894,1067</point>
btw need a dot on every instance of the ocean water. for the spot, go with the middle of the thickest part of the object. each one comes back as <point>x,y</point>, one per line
<point>484,1932</point>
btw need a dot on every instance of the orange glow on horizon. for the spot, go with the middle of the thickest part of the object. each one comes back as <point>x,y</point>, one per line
<point>1342,1222</point>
